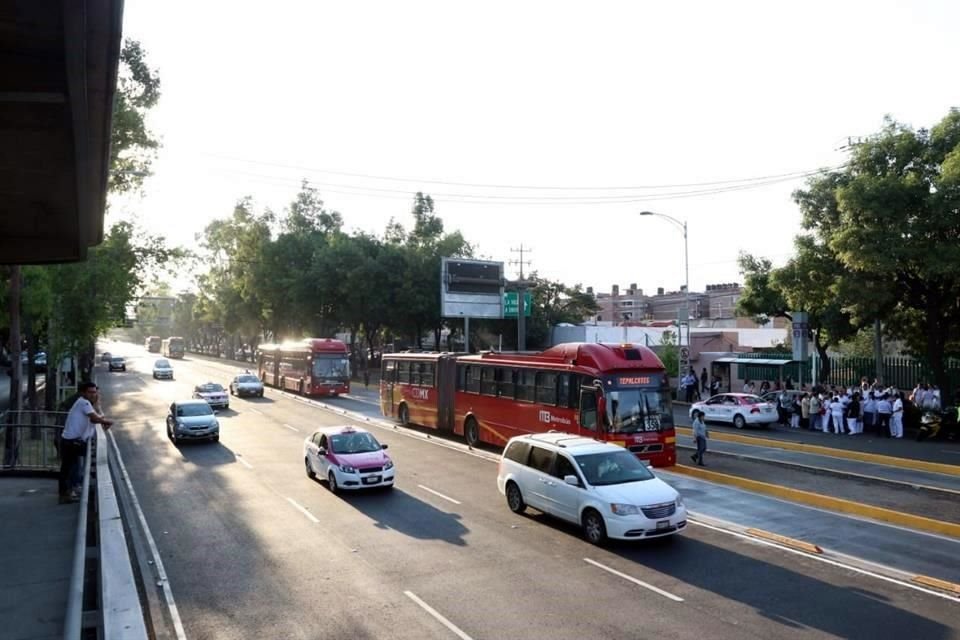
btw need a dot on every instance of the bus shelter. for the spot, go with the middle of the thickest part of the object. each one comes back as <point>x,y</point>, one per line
<point>770,369</point>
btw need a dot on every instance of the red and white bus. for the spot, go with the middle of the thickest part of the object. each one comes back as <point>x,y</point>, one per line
<point>617,393</point>
<point>312,367</point>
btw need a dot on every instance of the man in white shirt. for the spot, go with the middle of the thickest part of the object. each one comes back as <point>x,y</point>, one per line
<point>77,432</point>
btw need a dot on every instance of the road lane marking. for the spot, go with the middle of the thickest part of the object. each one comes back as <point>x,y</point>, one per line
<point>438,494</point>
<point>154,551</point>
<point>291,428</point>
<point>244,462</point>
<point>665,594</point>
<point>303,510</point>
<point>256,411</point>
<point>439,617</point>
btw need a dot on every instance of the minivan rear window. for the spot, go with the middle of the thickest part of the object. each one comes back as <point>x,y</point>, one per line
<point>517,452</point>
<point>541,459</point>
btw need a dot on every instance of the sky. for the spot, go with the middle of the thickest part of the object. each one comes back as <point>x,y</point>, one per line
<point>549,125</point>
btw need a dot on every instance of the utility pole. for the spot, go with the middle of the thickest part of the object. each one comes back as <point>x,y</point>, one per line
<point>521,285</point>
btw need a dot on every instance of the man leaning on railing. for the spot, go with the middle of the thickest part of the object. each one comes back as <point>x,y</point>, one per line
<point>77,432</point>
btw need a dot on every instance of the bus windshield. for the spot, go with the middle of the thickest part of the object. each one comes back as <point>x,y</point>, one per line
<point>326,367</point>
<point>636,410</point>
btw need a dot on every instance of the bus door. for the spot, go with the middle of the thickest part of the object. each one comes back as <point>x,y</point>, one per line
<point>388,378</point>
<point>591,407</point>
<point>446,383</point>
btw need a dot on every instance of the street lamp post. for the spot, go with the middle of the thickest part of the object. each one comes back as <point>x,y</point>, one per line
<point>682,225</point>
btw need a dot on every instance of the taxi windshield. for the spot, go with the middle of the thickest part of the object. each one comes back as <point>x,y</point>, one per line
<point>358,442</point>
<point>637,410</point>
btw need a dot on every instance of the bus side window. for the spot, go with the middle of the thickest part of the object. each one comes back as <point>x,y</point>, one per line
<point>416,368</point>
<point>473,379</point>
<point>488,386</point>
<point>563,390</point>
<point>427,376</point>
<point>546,387</point>
<point>526,386</point>
<point>461,377</point>
<point>403,371</point>
<point>504,382</point>
<point>389,371</point>
<point>588,408</point>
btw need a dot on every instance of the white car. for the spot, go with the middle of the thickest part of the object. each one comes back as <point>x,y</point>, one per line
<point>348,458</point>
<point>603,488</point>
<point>213,393</point>
<point>162,369</point>
<point>739,409</point>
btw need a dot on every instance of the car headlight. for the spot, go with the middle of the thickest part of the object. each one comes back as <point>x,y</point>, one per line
<point>624,509</point>
<point>347,468</point>
<point>679,501</point>
<point>389,465</point>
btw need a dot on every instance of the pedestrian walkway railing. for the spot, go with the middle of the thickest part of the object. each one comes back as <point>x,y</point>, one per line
<point>30,441</point>
<point>104,599</point>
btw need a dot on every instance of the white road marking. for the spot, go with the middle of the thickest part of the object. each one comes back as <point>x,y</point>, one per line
<point>154,551</point>
<point>244,462</point>
<point>257,411</point>
<point>291,428</point>
<point>438,494</point>
<point>665,594</point>
<point>436,614</point>
<point>303,510</point>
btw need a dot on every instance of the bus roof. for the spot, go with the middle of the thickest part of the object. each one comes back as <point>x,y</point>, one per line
<point>599,356</point>
<point>314,345</point>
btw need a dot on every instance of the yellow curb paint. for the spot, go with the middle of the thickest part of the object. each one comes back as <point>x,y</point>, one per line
<point>784,540</point>
<point>927,581</point>
<point>890,461</point>
<point>829,503</point>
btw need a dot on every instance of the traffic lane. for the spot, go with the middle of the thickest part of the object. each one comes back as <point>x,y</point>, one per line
<point>242,560</point>
<point>482,508</point>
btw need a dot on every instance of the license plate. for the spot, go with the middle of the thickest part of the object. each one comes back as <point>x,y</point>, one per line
<point>663,524</point>
<point>371,480</point>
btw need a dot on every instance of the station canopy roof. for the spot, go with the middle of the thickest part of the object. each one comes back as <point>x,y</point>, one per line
<point>764,362</point>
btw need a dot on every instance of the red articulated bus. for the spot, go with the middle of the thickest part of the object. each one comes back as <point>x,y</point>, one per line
<point>313,367</point>
<point>617,393</point>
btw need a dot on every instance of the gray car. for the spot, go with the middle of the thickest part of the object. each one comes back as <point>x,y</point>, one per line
<point>246,384</point>
<point>192,420</point>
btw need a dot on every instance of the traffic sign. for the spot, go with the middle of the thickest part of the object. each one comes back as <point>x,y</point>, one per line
<point>510,304</point>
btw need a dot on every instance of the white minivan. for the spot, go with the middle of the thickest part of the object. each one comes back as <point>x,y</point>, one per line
<point>603,488</point>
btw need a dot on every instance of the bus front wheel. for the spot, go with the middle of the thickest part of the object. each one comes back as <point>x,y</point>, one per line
<point>471,431</point>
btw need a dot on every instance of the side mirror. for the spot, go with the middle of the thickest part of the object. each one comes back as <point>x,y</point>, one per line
<point>322,451</point>
<point>384,446</point>
<point>572,481</point>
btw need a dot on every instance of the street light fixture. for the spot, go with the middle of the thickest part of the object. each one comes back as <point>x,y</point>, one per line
<point>682,225</point>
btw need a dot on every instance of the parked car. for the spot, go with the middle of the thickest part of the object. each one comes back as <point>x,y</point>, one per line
<point>601,487</point>
<point>349,458</point>
<point>213,393</point>
<point>117,363</point>
<point>192,420</point>
<point>246,384</point>
<point>162,369</point>
<point>40,361</point>
<point>739,409</point>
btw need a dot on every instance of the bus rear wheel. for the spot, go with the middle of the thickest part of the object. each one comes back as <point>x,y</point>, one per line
<point>404,415</point>
<point>471,432</point>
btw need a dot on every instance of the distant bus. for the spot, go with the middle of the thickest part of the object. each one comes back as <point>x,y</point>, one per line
<point>172,347</point>
<point>313,367</point>
<point>617,393</point>
<point>152,344</point>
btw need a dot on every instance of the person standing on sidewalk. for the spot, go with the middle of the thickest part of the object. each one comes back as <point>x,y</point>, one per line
<point>805,411</point>
<point>853,414</point>
<point>700,435</point>
<point>896,418</point>
<point>884,411</point>
<point>836,411</point>
<point>77,432</point>
<point>814,410</point>
<point>704,381</point>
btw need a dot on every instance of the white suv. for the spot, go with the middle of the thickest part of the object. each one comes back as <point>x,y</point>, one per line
<point>601,487</point>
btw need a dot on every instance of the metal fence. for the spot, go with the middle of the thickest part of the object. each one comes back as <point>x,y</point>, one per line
<point>30,440</point>
<point>903,373</point>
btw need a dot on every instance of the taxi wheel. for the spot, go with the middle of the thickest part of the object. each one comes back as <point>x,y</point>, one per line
<point>738,421</point>
<point>471,432</point>
<point>332,483</point>
<point>594,529</point>
<point>310,473</point>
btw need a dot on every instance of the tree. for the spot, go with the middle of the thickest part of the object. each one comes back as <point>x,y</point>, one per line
<point>555,303</point>
<point>132,144</point>
<point>891,219</point>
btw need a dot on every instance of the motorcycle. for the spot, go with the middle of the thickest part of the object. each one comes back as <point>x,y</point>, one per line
<point>939,424</point>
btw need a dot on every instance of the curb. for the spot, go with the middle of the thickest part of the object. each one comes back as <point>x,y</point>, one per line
<point>784,540</point>
<point>890,461</point>
<point>835,473</point>
<point>827,503</point>
<point>927,581</point>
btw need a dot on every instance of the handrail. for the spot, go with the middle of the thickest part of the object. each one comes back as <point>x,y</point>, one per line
<point>73,624</point>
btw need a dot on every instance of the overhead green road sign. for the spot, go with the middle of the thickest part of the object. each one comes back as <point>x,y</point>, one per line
<point>510,304</point>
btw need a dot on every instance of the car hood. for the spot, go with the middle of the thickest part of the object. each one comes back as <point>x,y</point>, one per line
<point>647,492</point>
<point>361,460</point>
<point>197,421</point>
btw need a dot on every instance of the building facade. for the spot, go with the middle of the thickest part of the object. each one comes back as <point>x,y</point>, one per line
<point>632,305</point>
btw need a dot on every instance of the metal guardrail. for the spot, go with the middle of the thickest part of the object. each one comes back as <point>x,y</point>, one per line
<point>30,440</point>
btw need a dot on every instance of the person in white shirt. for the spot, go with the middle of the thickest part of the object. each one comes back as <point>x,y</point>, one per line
<point>76,433</point>
<point>896,418</point>
<point>884,411</point>
<point>836,408</point>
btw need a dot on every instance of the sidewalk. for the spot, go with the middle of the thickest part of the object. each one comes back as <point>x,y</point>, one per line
<point>36,557</point>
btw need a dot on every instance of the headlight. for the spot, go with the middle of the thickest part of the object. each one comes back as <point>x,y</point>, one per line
<point>347,468</point>
<point>389,465</point>
<point>679,501</point>
<point>624,509</point>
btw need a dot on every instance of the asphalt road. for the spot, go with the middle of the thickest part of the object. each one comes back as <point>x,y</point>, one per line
<point>255,549</point>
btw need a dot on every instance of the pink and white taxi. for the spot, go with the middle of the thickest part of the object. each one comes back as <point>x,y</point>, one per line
<point>349,458</point>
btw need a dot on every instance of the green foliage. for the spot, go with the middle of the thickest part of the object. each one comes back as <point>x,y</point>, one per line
<point>132,145</point>
<point>669,353</point>
<point>555,303</point>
